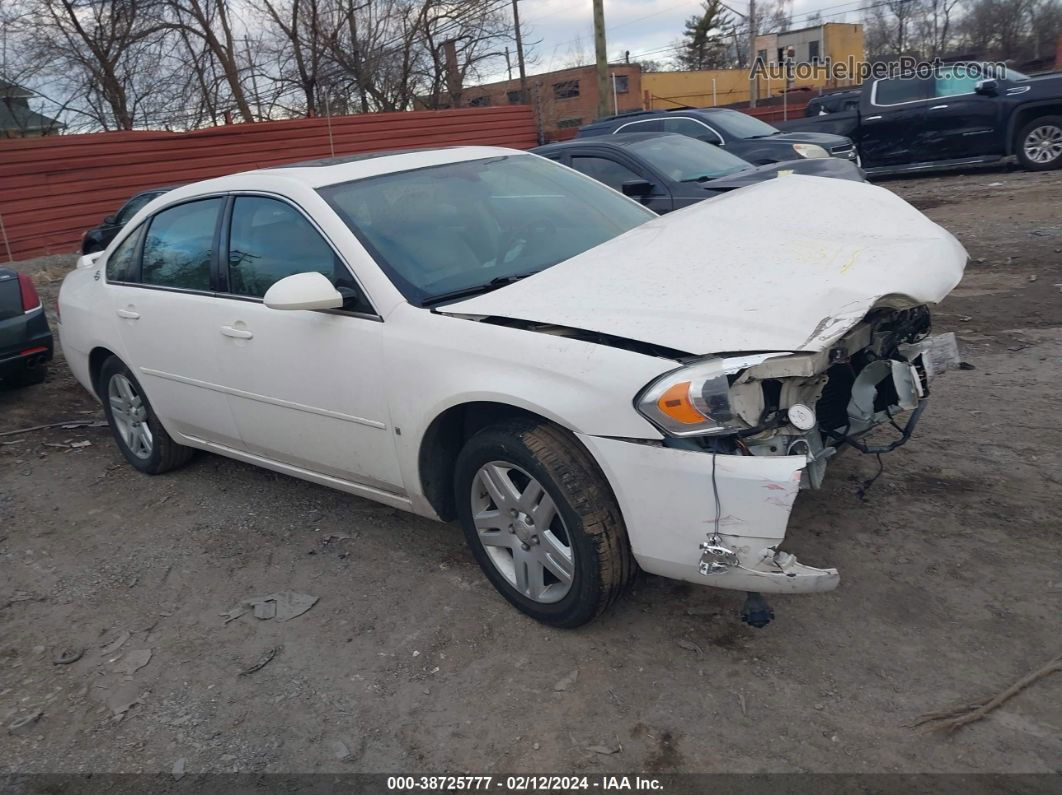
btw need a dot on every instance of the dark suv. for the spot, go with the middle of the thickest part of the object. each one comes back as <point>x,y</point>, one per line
<point>25,339</point>
<point>740,134</point>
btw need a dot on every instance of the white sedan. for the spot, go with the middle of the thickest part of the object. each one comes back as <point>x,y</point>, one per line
<point>485,335</point>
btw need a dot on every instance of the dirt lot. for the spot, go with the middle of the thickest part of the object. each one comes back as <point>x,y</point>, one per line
<point>951,589</point>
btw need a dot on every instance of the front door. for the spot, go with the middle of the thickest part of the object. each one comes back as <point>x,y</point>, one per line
<point>306,388</point>
<point>959,122</point>
<point>607,168</point>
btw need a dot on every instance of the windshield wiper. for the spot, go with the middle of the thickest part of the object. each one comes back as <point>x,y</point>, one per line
<point>476,289</point>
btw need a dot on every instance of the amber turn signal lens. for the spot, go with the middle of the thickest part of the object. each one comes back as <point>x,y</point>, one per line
<point>675,403</point>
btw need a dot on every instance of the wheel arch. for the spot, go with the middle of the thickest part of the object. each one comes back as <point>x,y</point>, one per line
<point>447,433</point>
<point>97,356</point>
<point>1024,114</point>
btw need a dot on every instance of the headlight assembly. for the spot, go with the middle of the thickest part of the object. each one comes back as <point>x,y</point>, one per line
<point>696,400</point>
<point>810,150</point>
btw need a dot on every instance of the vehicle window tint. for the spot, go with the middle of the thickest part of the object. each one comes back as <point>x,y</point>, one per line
<point>270,239</point>
<point>177,250</point>
<point>132,207</point>
<point>691,128</point>
<point>947,84</point>
<point>896,90</point>
<point>650,125</point>
<point>604,170</point>
<point>121,264</point>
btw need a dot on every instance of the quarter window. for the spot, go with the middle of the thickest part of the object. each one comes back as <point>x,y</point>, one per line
<point>179,245</point>
<point>121,264</point>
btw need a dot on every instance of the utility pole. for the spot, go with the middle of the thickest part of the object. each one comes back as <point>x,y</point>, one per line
<point>520,54</point>
<point>754,81</point>
<point>602,58</point>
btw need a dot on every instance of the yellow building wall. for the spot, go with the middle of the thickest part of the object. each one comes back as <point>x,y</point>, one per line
<point>726,86</point>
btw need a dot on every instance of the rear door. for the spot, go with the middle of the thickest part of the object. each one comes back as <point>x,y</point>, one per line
<point>892,121</point>
<point>159,283</point>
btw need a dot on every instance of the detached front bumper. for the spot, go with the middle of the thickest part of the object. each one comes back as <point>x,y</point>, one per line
<point>669,508</point>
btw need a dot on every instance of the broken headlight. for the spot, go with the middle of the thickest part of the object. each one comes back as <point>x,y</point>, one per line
<point>696,400</point>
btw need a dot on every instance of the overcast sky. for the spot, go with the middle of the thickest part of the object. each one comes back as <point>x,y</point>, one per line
<point>648,27</point>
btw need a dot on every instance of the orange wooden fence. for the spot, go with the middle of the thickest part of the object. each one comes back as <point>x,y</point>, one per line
<point>52,189</point>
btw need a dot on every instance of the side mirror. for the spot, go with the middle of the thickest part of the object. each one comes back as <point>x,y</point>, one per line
<point>637,188</point>
<point>986,88</point>
<point>303,291</point>
<point>110,220</point>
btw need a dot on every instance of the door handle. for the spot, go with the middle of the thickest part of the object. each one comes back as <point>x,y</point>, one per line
<point>871,118</point>
<point>238,333</point>
<point>938,107</point>
<point>128,314</point>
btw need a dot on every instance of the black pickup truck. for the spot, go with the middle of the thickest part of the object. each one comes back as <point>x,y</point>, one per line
<point>949,118</point>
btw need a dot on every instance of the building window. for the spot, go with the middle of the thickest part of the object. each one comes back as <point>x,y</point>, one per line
<point>621,83</point>
<point>813,51</point>
<point>566,90</point>
<point>514,97</point>
<point>567,124</point>
<point>479,102</point>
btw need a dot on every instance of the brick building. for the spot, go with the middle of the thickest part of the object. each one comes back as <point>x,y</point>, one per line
<point>564,100</point>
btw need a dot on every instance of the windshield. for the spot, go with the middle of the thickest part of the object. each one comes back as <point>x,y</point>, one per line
<point>479,223</point>
<point>740,125</point>
<point>686,159</point>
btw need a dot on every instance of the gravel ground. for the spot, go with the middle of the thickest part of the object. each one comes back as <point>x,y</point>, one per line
<point>951,589</point>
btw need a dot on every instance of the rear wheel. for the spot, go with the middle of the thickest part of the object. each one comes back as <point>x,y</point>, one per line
<point>542,522</point>
<point>137,431</point>
<point>1039,144</point>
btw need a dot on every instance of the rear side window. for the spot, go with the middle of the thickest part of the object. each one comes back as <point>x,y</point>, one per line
<point>122,263</point>
<point>691,128</point>
<point>132,207</point>
<point>269,240</point>
<point>650,125</point>
<point>179,243</point>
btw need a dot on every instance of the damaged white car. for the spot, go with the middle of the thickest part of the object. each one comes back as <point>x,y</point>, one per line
<point>483,334</point>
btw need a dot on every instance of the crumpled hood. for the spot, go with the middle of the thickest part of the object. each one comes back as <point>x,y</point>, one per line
<point>786,265</point>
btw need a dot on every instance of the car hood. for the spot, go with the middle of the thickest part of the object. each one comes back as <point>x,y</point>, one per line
<point>786,265</point>
<point>816,166</point>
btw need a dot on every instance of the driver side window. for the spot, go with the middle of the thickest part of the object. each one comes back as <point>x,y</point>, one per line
<point>604,170</point>
<point>270,239</point>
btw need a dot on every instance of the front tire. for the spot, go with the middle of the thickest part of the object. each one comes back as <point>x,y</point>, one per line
<point>137,430</point>
<point>542,522</point>
<point>1039,144</point>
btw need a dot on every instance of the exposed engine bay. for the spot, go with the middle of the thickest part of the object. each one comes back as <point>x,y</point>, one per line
<point>814,404</point>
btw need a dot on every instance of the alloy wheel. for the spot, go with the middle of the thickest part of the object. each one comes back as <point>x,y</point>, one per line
<point>1043,144</point>
<point>130,416</point>
<point>524,535</point>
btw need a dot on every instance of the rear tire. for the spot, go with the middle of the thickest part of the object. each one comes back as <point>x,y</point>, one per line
<point>570,543</point>
<point>1039,144</point>
<point>137,430</point>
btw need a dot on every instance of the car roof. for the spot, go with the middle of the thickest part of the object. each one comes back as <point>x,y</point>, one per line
<point>344,168</point>
<point>619,140</point>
